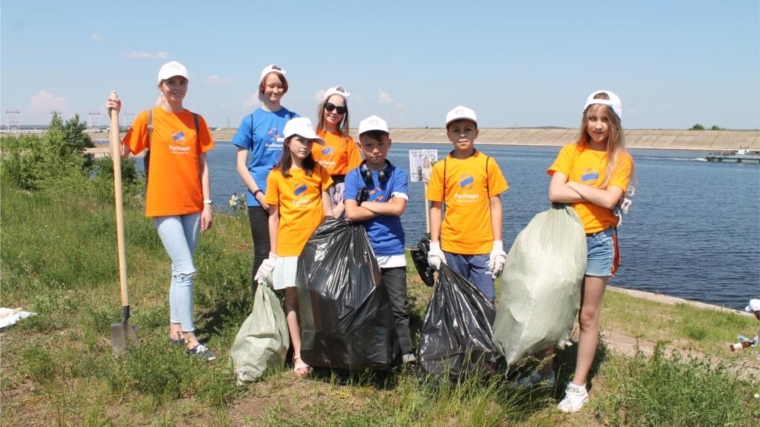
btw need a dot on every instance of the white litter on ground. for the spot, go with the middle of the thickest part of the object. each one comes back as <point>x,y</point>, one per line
<point>9,316</point>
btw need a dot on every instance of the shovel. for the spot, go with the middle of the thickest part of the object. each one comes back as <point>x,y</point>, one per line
<point>121,332</point>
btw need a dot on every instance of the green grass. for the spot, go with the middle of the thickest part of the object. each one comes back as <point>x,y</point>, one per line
<point>681,325</point>
<point>59,260</point>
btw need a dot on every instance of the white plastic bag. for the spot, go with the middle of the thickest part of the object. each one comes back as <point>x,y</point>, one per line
<point>262,341</point>
<point>541,284</point>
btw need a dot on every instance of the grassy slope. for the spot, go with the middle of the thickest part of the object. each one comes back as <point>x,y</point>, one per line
<point>59,259</point>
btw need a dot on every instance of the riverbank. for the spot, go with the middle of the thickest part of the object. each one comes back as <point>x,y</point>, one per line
<point>59,368</point>
<point>663,139</point>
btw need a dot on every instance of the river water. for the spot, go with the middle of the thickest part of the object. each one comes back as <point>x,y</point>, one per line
<point>693,230</point>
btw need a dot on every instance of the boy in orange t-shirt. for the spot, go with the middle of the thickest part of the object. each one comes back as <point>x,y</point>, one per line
<point>470,184</point>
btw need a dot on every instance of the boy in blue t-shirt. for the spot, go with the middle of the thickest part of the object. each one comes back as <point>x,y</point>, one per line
<point>376,195</point>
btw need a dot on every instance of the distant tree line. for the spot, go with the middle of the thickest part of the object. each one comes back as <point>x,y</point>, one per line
<point>700,127</point>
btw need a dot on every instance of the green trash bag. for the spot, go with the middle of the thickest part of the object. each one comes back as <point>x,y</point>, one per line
<point>262,341</point>
<point>541,284</point>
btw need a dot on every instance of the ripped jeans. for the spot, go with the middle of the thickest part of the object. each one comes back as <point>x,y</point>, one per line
<point>179,234</point>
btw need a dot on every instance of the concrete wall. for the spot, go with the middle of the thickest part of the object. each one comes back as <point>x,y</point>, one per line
<point>706,140</point>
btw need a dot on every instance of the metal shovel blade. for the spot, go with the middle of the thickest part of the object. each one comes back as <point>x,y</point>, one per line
<point>123,335</point>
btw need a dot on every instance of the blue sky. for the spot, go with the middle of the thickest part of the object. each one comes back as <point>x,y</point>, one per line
<point>673,63</point>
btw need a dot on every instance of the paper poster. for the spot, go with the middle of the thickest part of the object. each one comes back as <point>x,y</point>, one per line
<point>421,164</point>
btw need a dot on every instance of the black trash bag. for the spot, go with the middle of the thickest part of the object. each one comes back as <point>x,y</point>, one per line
<point>420,260</point>
<point>346,316</point>
<point>456,336</point>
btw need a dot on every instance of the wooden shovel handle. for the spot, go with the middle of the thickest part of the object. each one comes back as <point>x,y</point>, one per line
<point>116,156</point>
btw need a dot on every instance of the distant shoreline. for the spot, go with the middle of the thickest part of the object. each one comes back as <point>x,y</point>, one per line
<point>636,139</point>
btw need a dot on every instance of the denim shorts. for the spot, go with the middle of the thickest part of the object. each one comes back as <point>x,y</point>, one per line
<point>601,253</point>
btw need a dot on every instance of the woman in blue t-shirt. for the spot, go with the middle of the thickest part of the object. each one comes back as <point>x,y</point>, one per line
<point>260,134</point>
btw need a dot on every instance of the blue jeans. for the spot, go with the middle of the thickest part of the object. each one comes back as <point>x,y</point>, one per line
<point>601,253</point>
<point>475,269</point>
<point>179,234</point>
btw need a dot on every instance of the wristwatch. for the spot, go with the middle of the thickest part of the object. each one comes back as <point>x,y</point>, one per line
<point>208,202</point>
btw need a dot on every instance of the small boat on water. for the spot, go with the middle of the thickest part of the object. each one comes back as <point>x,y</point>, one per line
<point>742,155</point>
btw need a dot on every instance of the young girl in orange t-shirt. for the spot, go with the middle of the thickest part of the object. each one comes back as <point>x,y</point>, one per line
<point>179,191</point>
<point>593,175</point>
<point>298,199</point>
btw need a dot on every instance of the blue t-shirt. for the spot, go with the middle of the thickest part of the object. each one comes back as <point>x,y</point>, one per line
<point>265,148</point>
<point>385,231</point>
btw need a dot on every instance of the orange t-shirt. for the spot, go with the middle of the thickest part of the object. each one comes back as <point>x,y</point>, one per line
<point>299,200</point>
<point>589,167</point>
<point>174,187</point>
<point>339,154</point>
<point>470,183</point>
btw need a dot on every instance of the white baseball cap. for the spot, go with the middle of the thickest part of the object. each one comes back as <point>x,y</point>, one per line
<point>271,68</point>
<point>337,90</point>
<point>459,113</point>
<point>373,123</point>
<point>171,69</point>
<point>302,127</point>
<point>613,102</point>
<point>754,305</point>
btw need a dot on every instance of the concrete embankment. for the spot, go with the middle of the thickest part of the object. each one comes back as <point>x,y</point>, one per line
<point>635,138</point>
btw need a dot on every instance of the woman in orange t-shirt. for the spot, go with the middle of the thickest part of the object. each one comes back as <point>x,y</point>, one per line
<point>178,196</point>
<point>298,200</point>
<point>340,154</point>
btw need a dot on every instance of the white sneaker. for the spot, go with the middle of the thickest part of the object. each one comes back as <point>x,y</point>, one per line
<point>575,397</point>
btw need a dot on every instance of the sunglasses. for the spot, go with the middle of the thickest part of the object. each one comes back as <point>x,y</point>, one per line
<point>340,110</point>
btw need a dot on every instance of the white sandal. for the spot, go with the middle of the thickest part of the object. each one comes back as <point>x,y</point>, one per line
<point>300,369</point>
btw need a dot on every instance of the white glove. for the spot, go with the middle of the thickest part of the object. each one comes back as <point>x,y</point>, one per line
<point>435,256</point>
<point>266,268</point>
<point>497,259</point>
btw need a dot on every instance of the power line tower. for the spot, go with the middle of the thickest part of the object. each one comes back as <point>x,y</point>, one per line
<point>128,119</point>
<point>93,121</point>
<point>12,121</point>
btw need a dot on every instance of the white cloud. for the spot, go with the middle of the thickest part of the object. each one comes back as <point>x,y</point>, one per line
<point>144,55</point>
<point>319,95</point>
<point>45,102</point>
<point>384,97</point>
<point>96,38</point>
<point>216,80</point>
<point>252,100</point>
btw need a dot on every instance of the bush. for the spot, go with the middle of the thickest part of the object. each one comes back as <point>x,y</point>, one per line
<point>132,182</point>
<point>56,161</point>
<point>697,127</point>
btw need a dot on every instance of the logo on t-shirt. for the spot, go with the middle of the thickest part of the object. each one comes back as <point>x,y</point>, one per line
<point>275,141</point>
<point>179,137</point>
<point>376,195</point>
<point>589,175</point>
<point>327,150</point>
<point>299,188</point>
<point>466,181</point>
